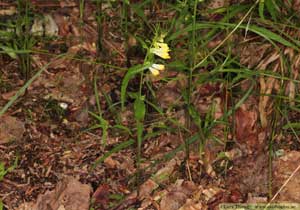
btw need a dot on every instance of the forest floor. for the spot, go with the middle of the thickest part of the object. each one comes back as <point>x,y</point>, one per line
<point>85,123</point>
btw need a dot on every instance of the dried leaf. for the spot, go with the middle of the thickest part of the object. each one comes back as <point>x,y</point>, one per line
<point>178,195</point>
<point>147,188</point>
<point>246,130</point>
<point>283,168</point>
<point>101,195</point>
<point>10,129</point>
<point>69,194</point>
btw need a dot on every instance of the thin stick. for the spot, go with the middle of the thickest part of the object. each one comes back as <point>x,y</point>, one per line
<point>281,188</point>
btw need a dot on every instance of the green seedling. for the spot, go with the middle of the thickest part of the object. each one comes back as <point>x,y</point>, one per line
<point>23,40</point>
<point>4,171</point>
<point>102,123</point>
<point>17,41</point>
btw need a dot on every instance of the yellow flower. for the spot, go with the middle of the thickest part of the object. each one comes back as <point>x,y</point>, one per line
<point>155,68</point>
<point>162,45</point>
<point>161,49</point>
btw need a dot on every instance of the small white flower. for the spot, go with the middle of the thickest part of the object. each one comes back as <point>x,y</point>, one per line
<point>159,67</point>
<point>155,68</point>
<point>63,105</point>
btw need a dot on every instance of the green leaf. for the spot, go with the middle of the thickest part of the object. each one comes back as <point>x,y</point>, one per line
<point>142,42</point>
<point>139,11</point>
<point>1,205</point>
<point>139,109</point>
<point>9,51</point>
<point>272,9</point>
<point>269,35</point>
<point>126,2</point>
<point>291,126</point>
<point>129,75</point>
<point>2,171</point>
<point>102,124</point>
<point>123,128</point>
<point>263,32</point>
<point>140,129</point>
<point>178,65</point>
<point>261,8</point>
<point>195,115</point>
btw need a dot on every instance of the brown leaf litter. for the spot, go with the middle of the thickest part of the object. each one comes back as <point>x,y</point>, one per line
<point>286,176</point>
<point>46,154</point>
<point>69,194</point>
<point>11,129</point>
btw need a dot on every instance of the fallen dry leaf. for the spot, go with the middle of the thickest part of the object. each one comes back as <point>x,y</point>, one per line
<point>11,129</point>
<point>8,95</point>
<point>101,195</point>
<point>296,5</point>
<point>252,53</point>
<point>152,184</point>
<point>283,168</point>
<point>210,193</point>
<point>111,163</point>
<point>177,195</point>
<point>67,87</point>
<point>266,87</point>
<point>249,175</point>
<point>173,201</point>
<point>291,88</point>
<point>190,205</point>
<point>69,194</point>
<point>147,188</point>
<point>168,95</point>
<point>164,173</point>
<point>246,127</point>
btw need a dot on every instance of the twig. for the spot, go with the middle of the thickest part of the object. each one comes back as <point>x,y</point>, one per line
<point>281,188</point>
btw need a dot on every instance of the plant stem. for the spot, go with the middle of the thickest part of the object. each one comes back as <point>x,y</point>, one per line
<point>99,18</point>
<point>125,20</point>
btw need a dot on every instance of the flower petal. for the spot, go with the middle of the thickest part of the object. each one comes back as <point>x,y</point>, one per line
<point>154,71</point>
<point>160,52</point>
<point>163,46</point>
<point>159,67</point>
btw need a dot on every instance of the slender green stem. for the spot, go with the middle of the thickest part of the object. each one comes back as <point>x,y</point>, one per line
<point>99,18</point>
<point>81,10</point>
<point>190,77</point>
<point>125,20</point>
